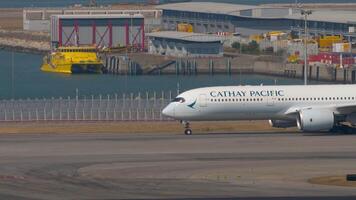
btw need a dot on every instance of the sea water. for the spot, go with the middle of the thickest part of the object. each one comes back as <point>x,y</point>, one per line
<point>21,77</point>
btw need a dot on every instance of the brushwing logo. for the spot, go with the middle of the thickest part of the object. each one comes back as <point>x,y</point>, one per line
<point>193,104</point>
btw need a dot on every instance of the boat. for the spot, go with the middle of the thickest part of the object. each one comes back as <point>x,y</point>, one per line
<point>72,60</point>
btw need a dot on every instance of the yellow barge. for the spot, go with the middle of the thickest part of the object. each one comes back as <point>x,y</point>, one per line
<point>73,60</point>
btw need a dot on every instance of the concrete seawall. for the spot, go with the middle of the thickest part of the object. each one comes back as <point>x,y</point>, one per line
<point>22,41</point>
<point>138,64</point>
<point>142,63</point>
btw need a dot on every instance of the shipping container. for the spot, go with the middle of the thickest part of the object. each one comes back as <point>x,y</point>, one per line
<point>328,41</point>
<point>183,27</point>
<point>336,59</point>
<point>341,47</point>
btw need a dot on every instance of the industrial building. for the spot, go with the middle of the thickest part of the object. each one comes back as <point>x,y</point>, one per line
<point>184,44</point>
<point>115,30</point>
<point>211,17</point>
<point>38,19</point>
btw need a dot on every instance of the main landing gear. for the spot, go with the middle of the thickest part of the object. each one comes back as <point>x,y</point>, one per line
<point>188,130</point>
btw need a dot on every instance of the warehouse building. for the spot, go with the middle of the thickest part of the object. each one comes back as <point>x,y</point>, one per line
<point>325,22</point>
<point>38,19</point>
<point>99,30</point>
<point>211,17</point>
<point>183,44</point>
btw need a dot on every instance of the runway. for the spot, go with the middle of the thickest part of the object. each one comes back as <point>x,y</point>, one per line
<point>173,166</point>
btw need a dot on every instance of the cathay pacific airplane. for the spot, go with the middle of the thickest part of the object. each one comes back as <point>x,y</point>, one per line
<point>311,108</point>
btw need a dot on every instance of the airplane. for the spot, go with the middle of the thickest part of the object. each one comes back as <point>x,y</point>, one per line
<point>311,108</point>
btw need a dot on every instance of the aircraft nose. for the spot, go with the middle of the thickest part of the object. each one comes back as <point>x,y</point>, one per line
<point>168,111</point>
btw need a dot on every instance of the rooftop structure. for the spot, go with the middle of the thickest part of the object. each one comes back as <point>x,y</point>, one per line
<point>328,16</point>
<point>183,44</point>
<point>207,7</point>
<point>185,36</point>
<point>208,17</point>
<point>102,16</point>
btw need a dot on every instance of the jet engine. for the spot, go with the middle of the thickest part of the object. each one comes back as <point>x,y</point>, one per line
<point>282,123</point>
<point>311,120</point>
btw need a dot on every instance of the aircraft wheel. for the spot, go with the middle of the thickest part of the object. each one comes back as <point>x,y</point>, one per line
<point>188,132</point>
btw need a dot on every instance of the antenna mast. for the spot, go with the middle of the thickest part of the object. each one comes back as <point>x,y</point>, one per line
<point>92,3</point>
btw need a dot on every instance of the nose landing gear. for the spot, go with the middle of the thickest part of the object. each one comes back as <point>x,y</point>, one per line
<point>188,130</point>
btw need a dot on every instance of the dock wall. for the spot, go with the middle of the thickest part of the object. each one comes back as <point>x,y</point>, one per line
<point>23,41</point>
<point>139,64</point>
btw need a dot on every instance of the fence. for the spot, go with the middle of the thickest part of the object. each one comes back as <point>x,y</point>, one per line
<point>131,107</point>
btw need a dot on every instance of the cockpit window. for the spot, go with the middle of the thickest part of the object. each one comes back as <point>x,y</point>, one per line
<point>179,99</point>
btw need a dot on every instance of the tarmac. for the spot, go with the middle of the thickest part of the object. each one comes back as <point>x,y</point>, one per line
<point>174,166</point>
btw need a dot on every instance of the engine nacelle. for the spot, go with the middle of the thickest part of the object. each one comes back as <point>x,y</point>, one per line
<point>282,123</point>
<point>311,120</point>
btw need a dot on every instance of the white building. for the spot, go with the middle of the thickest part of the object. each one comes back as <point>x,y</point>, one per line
<point>183,44</point>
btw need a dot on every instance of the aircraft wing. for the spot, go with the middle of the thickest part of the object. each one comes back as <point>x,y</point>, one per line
<point>338,109</point>
<point>346,109</point>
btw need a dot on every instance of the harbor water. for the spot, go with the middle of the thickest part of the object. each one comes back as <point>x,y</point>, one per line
<point>21,78</point>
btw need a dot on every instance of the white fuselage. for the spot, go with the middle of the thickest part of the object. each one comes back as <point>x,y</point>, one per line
<point>257,102</point>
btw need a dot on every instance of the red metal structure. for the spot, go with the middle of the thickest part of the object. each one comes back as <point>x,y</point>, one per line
<point>100,30</point>
<point>333,59</point>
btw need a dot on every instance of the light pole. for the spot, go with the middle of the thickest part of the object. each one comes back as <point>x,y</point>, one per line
<point>12,74</point>
<point>305,13</point>
<point>92,3</point>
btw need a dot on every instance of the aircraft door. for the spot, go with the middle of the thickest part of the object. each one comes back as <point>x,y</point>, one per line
<point>271,101</point>
<point>203,100</point>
